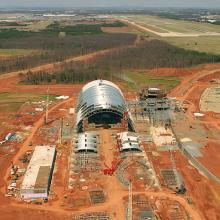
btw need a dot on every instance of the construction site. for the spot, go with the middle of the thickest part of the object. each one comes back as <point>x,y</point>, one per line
<point>102,154</point>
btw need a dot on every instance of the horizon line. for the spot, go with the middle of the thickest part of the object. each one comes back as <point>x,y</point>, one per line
<point>107,7</point>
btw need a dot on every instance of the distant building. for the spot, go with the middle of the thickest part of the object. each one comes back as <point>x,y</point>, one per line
<point>37,179</point>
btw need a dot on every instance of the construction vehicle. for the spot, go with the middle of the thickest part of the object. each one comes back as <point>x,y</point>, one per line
<point>14,172</point>
<point>9,136</point>
<point>25,158</point>
<point>181,189</point>
<point>14,168</point>
<point>14,177</point>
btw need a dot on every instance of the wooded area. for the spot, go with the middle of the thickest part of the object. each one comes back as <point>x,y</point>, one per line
<point>146,55</point>
<point>56,43</point>
<point>54,49</point>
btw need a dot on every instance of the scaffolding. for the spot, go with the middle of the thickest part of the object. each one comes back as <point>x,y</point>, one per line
<point>93,216</point>
<point>86,162</point>
<point>97,196</point>
<point>158,110</point>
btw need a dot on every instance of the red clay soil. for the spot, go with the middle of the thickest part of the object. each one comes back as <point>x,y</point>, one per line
<point>211,157</point>
<point>2,58</point>
<point>194,94</point>
<point>178,72</point>
<point>24,147</point>
<point>5,162</point>
<point>9,212</point>
<point>198,187</point>
<point>189,81</point>
<point>183,72</point>
<point>213,76</point>
<point>205,193</point>
<point>8,208</point>
<point>10,84</point>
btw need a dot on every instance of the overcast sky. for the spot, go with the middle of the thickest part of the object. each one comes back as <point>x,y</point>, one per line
<point>109,3</point>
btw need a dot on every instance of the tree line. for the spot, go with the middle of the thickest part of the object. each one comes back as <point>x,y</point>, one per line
<point>53,48</point>
<point>146,55</point>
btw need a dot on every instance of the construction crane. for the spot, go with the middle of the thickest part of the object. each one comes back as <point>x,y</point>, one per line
<point>108,171</point>
<point>47,104</point>
<point>111,171</point>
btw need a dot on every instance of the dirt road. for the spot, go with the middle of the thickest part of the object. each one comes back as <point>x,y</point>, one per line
<point>191,89</point>
<point>113,188</point>
<point>186,86</point>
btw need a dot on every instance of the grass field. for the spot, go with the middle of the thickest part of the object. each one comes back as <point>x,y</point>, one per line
<point>11,102</point>
<point>137,79</point>
<point>16,52</point>
<point>208,44</point>
<point>180,26</point>
<point>180,33</point>
<point>36,26</point>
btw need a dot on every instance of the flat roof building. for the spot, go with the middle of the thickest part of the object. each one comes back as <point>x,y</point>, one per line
<point>37,179</point>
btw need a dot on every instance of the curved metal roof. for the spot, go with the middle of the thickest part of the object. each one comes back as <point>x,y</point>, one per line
<point>86,148</point>
<point>86,135</point>
<point>128,141</point>
<point>86,142</point>
<point>100,95</point>
<point>130,146</point>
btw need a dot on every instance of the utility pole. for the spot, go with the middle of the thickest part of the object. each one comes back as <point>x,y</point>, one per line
<point>129,214</point>
<point>61,130</point>
<point>47,104</point>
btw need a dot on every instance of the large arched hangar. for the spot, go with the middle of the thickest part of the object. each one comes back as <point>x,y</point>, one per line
<point>101,102</point>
